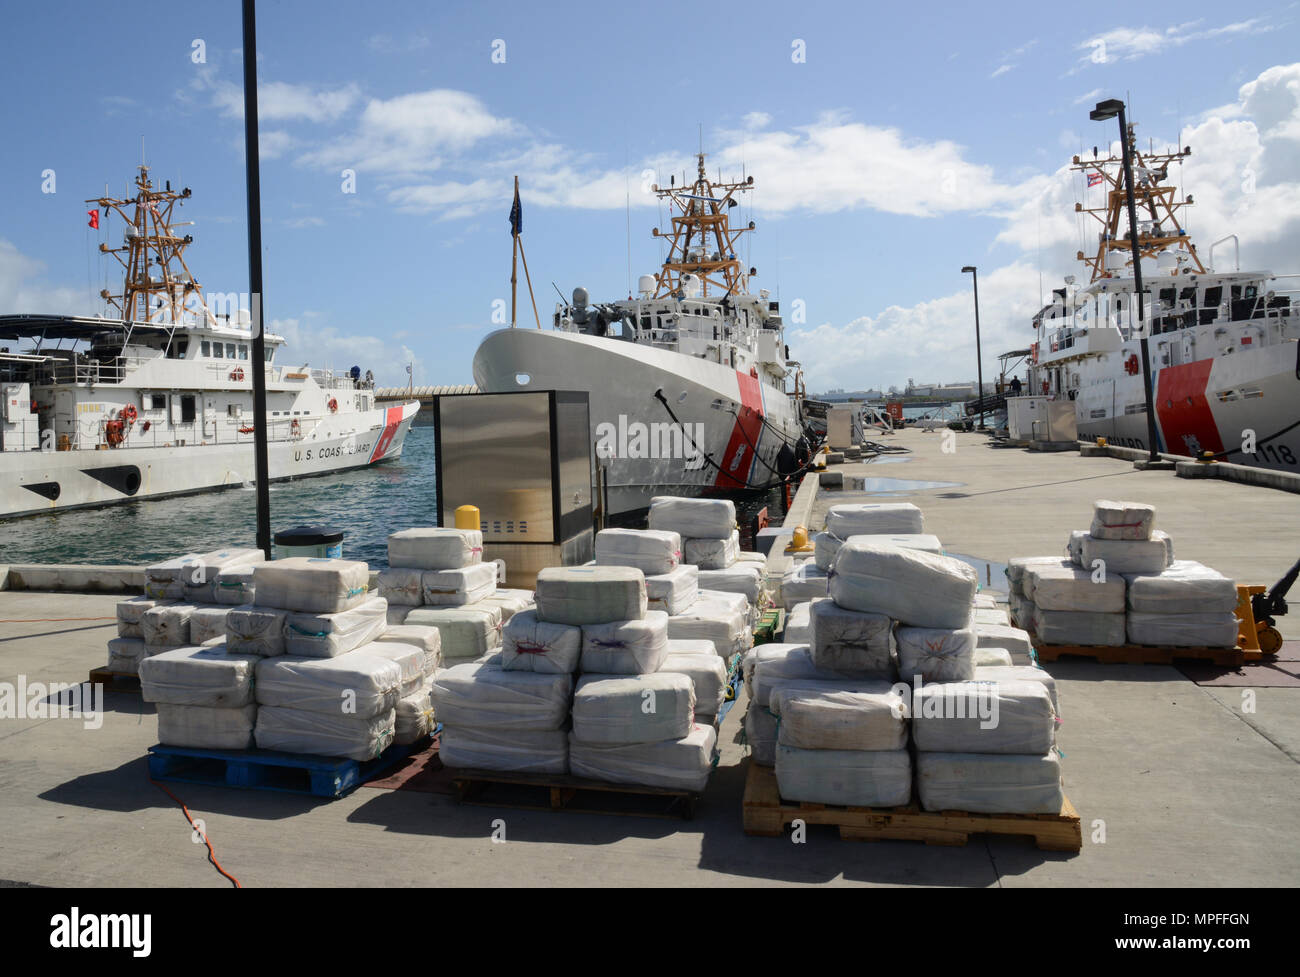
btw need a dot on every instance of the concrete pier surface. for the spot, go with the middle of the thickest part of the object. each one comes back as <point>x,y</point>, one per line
<point>1177,784</point>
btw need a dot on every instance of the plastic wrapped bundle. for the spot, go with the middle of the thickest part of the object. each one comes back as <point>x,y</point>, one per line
<point>234,585</point>
<point>989,783</point>
<point>401,585</point>
<point>825,548</point>
<point>256,630</point>
<point>409,658</point>
<point>867,720</point>
<point>751,556</point>
<point>330,635</point>
<point>717,617</point>
<point>711,554</point>
<point>456,588</point>
<point>510,600</point>
<point>365,685</point>
<point>912,587</point>
<point>626,647</point>
<point>315,585</point>
<point>707,672</point>
<point>210,677</point>
<point>936,654</point>
<point>1217,629</point>
<point>324,734</point>
<point>1018,568</point>
<point>858,778</point>
<point>529,644</point>
<point>486,696</point>
<point>1071,588</point>
<point>1075,546</point>
<point>991,615</point>
<point>760,734</point>
<point>207,623</point>
<point>693,518</point>
<point>413,717</point>
<point>432,548</point>
<point>741,578</point>
<point>1122,520</point>
<point>1184,587</point>
<point>167,624</point>
<point>925,542</point>
<point>795,664</point>
<point>1020,673</point>
<point>167,580</point>
<point>984,602</point>
<point>798,624</point>
<point>874,519</point>
<point>206,727</point>
<point>681,764</point>
<point>590,595</point>
<point>507,751</point>
<point>802,583</point>
<point>652,551</point>
<point>1078,628</point>
<point>673,592</point>
<point>427,639</point>
<point>772,652</point>
<point>467,632</point>
<point>1010,716</point>
<point>125,654</point>
<point>633,708</point>
<point>1124,555</point>
<point>1014,640</point>
<point>990,657</point>
<point>200,579</point>
<point>129,613</point>
<point>1022,610</point>
<point>852,642</point>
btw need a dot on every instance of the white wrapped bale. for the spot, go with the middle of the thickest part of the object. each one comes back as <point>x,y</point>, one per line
<point>1022,610</point>
<point>802,583</point>
<point>773,652</point>
<point>626,647</point>
<point>427,639</point>
<point>910,586</point>
<point>207,623</point>
<point>256,630</point>
<point>167,580</point>
<point>798,624</point>
<point>590,595</point>
<point>693,518</point>
<point>1020,673</point>
<point>200,579</point>
<point>529,644</point>
<point>1018,568</point>
<point>510,600</point>
<point>991,657</point>
<point>1213,630</point>
<point>852,642</point>
<point>167,624</point>
<point>129,613</point>
<point>1008,716</point>
<point>1014,640</point>
<point>330,635</point>
<point>409,658</point>
<point>825,548</point>
<point>456,588</point>
<point>1071,588</point>
<point>401,585</point>
<point>681,764</point>
<point>357,685</point>
<point>815,720</point>
<point>324,734</point>
<point>1075,546</point>
<point>433,548</point>
<point>796,665</point>
<point>505,751</point>
<point>1124,555</point>
<point>990,783</point>
<point>707,672</point>
<point>1078,628</point>
<point>711,554</point>
<point>1122,520</point>
<point>633,708</point>
<point>991,615</point>
<point>936,654</point>
<point>413,717</point>
<point>124,654</point>
<point>760,734</point>
<point>874,519</point>
<point>925,542</point>
<point>984,602</point>
<point>751,556</point>
<point>211,677</point>
<point>467,632</point>
<point>652,551</point>
<point>1184,587</point>
<point>234,584</point>
<point>485,696</point>
<point>858,778</point>
<point>741,578</point>
<point>316,585</point>
<point>206,727</point>
<point>717,617</point>
<point>673,592</point>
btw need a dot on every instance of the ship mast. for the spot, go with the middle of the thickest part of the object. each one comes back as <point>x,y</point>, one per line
<point>1157,205</point>
<point>703,243</point>
<point>152,256</point>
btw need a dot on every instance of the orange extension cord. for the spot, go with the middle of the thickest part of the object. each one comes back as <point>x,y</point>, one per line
<point>212,856</point>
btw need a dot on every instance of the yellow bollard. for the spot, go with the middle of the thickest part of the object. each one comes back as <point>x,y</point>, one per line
<point>467,517</point>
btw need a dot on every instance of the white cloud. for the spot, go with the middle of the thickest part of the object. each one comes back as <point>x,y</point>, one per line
<point>1001,70</point>
<point>1131,43</point>
<point>272,143</point>
<point>279,101</point>
<point>307,341</point>
<point>23,288</point>
<point>1088,96</point>
<point>756,120</point>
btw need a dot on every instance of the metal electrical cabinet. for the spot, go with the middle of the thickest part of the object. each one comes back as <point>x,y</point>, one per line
<point>525,460</point>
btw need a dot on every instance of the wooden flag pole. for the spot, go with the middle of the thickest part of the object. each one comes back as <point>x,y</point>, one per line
<point>529,280</point>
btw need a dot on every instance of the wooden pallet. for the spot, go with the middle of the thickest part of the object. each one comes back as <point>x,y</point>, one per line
<point>555,792</point>
<point>114,681</point>
<point>766,814</point>
<point>1143,654</point>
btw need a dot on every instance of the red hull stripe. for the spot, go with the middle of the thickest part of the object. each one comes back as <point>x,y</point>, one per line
<point>1186,420</point>
<point>738,460</point>
<point>392,420</point>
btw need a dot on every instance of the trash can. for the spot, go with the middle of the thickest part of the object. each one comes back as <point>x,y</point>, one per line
<point>319,541</point>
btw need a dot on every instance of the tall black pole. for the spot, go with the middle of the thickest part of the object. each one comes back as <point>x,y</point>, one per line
<point>979,355</point>
<point>262,465</point>
<point>1137,284</point>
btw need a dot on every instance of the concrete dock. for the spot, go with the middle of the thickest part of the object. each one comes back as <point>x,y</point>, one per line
<point>1178,784</point>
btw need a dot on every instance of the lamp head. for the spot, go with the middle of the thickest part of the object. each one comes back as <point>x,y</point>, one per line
<point>968,269</point>
<point>1106,110</point>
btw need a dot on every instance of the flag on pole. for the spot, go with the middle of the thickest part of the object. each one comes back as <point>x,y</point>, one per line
<point>516,215</point>
<point>1094,179</point>
<point>94,218</point>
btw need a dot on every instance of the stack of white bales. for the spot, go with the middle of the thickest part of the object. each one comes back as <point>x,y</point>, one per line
<point>1186,604</point>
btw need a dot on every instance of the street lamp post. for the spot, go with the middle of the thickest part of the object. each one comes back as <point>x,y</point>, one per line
<point>1109,109</point>
<point>979,359</point>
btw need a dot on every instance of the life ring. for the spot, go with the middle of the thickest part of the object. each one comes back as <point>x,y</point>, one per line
<point>144,428</point>
<point>114,433</point>
<point>1131,365</point>
<point>333,405</point>
<point>753,372</point>
<point>294,428</point>
<point>127,413</point>
<point>1046,387</point>
<point>237,373</point>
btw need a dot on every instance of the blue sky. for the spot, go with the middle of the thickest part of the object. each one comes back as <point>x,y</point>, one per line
<point>907,141</point>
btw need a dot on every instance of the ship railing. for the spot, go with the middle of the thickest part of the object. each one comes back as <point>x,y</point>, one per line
<point>90,434</point>
<point>89,372</point>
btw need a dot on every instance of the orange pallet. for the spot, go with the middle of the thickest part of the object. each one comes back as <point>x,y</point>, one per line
<point>1144,654</point>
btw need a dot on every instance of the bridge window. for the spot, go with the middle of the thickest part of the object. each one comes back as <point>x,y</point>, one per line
<point>157,401</point>
<point>216,351</point>
<point>230,351</point>
<point>205,349</point>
